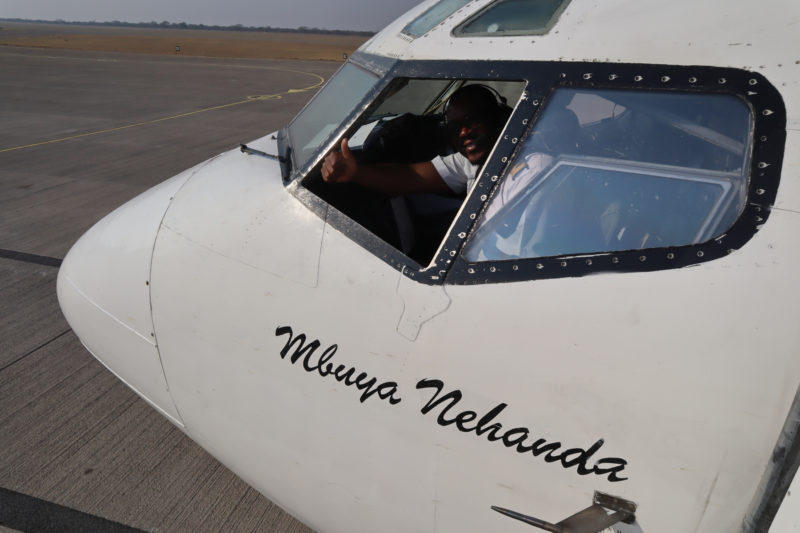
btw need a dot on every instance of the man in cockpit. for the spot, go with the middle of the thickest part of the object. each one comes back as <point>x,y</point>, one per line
<point>474,119</point>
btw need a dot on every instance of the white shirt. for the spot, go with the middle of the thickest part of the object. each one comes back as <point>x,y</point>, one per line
<point>456,171</point>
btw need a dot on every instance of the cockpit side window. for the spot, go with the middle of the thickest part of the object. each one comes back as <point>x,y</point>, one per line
<point>513,17</point>
<point>612,170</point>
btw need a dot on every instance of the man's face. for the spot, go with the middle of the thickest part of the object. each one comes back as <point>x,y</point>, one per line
<point>470,131</point>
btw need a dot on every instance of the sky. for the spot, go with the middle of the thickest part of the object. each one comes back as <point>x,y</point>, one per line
<point>362,15</point>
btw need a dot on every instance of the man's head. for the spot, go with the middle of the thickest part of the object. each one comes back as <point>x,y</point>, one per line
<point>474,119</point>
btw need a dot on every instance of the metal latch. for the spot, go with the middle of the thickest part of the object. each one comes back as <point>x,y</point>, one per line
<point>593,519</point>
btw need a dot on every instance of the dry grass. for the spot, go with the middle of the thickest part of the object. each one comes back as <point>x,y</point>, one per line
<point>206,43</point>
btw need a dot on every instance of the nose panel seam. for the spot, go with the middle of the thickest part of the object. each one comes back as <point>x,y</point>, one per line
<point>115,319</point>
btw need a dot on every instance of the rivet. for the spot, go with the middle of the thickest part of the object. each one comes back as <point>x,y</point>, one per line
<point>767,112</point>
<point>665,79</point>
<point>670,256</point>
<point>700,253</point>
<point>642,258</point>
<point>524,121</point>
<point>753,81</point>
<point>492,269</point>
<point>462,235</point>
<point>472,216</point>
<point>722,81</point>
<point>535,102</point>
<point>760,191</point>
<point>483,197</point>
<point>615,260</point>
<point>452,253</point>
<point>471,270</point>
<point>763,138</point>
<point>494,178</point>
<point>504,159</point>
<point>515,267</point>
<point>589,262</point>
<point>563,75</point>
<point>638,78</point>
<point>514,140</point>
<point>587,76</point>
<point>539,266</point>
<point>612,77</point>
<point>759,219</point>
<point>762,164</point>
<point>758,209</point>
<point>692,80</point>
<point>563,263</point>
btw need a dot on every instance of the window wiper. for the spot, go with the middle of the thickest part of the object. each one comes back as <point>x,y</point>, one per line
<point>252,151</point>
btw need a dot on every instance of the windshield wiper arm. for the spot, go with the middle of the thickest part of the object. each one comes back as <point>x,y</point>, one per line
<point>252,151</point>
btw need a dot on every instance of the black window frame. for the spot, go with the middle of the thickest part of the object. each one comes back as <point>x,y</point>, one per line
<point>542,78</point>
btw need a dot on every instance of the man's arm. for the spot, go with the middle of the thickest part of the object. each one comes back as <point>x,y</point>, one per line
<point>389,178</point>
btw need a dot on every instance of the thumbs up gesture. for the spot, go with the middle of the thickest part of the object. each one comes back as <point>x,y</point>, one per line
<point>340,167</point>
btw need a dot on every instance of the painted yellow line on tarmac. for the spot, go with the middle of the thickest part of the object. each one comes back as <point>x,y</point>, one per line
<point>277,96</point>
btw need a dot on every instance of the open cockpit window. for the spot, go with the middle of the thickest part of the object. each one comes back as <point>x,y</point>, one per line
<point>323,115</point>
<point>513,17</point>
<point>407,126</point>
<point>612,170</point>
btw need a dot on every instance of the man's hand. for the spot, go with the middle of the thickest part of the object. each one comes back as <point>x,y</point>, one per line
<point>389,178</point>
<point>340,167</point>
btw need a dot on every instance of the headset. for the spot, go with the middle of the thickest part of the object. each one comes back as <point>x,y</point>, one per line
<point>491,102</point>
<point>499,101</point>
<point>413,138</point>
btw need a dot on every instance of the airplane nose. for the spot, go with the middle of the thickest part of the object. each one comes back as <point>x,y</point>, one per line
<point>104,291</point>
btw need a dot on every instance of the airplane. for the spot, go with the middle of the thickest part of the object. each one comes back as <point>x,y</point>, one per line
<point>600,336</point>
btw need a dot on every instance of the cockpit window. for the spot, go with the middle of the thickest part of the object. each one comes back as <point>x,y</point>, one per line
<point>514,17</point>
<point>318,120</point>
<point>607,170</point>
<point>433,16</point>
<point>404,126</point>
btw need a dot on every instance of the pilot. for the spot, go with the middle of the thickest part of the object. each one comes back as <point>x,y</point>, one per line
<point>474,119</point>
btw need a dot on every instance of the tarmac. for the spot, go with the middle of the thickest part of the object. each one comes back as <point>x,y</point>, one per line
<point>82,133</point>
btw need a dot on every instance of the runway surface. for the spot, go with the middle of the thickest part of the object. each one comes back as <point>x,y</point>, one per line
<point>81,134</point>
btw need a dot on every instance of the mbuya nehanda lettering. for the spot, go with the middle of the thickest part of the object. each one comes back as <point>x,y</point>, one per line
<point>342,373</point>
<point>517,437</point>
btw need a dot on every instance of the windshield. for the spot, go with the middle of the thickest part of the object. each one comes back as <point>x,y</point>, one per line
<point>328,110</point>
<point>607,170</point>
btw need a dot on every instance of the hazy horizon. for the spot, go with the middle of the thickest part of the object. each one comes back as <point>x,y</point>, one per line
<point>355,15</point>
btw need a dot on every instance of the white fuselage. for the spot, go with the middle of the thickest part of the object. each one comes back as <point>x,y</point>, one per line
<point>668,387</point>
